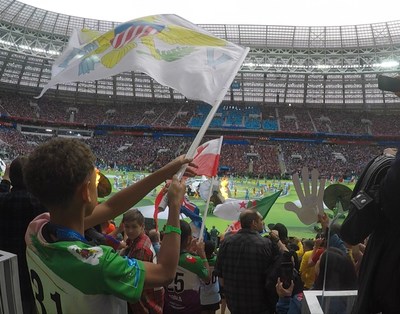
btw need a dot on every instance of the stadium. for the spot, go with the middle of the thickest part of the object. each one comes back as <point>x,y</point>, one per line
<point>301,91</point>
<point>304,96</point>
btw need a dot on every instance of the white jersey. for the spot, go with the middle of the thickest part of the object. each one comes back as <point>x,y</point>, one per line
<point>75,277</point>
<point>209,293</point>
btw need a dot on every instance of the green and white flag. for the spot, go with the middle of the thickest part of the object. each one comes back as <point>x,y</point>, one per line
<point>230,210</point>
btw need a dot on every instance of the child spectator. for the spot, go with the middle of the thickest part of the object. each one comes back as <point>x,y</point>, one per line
<point>182,295</point>
<point>68,274</point>
<point>138,245</point>
<point>335,271</point>
<point>307,272</point>
<point>209,292</point>
<point>154,236</point>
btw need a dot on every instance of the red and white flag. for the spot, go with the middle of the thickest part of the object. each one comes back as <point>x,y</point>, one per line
<point>207,157</point>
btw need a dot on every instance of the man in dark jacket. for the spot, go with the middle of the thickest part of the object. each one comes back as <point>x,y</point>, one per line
<point>243,264</point>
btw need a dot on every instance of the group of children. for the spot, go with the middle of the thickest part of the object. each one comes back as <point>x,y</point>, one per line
<point>74,264</point>
<point>195,288</point>
<point>68,273</point>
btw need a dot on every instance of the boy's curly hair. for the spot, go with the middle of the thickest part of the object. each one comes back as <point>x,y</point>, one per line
<point>56,168</point>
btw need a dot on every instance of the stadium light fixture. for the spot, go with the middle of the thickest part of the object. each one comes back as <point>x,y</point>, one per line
<point>388,64</point>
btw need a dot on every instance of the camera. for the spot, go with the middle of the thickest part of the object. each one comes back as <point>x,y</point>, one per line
<point>387,83</point>
<point>286,274</point>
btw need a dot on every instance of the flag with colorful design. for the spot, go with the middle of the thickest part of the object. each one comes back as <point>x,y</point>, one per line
<point>191,210</point>
<point>231,209</point>
<point>188,208</point>
<point>170,49</point>
<point>207,157</point>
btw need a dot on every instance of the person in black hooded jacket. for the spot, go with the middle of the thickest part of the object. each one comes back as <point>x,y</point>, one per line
<point>18,208</point>
<point>379,285</point>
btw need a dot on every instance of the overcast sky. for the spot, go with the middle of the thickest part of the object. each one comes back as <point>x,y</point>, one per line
<point>262,12</point>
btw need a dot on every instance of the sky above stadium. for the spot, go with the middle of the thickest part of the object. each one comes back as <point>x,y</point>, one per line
<point>271,12</point>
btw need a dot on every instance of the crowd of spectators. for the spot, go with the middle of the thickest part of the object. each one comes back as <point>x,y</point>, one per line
<point>330,159</point>
<point>255,158</point>
<point>252,255</point>
<point>250,157</point>
<point>187,114</point>
<point>162,114</point>
<point>14,143</point>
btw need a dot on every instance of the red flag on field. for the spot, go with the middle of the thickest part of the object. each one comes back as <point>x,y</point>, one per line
<point>207,157</point>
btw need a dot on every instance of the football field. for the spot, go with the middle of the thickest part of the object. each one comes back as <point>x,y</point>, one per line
<point>277,213</point>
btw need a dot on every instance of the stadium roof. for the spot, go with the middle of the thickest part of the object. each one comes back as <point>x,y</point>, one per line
<point>318,66</point>
<point>253,12</point>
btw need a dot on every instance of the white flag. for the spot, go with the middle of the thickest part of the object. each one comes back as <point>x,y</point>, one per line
<point>173,51</point>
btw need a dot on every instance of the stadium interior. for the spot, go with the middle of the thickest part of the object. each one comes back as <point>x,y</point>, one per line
<point>304,96</point>
<point>301,93</point>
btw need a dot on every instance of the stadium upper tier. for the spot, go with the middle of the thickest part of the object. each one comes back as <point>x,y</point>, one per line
<point>247,120</point>
<point>315,67</point>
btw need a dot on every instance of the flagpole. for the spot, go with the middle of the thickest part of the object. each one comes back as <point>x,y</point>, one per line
<point>206,209</point>
<point>193,147</point>
<point>196,142</point>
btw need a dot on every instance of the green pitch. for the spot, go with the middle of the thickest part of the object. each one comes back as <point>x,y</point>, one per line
<point>277,213</point>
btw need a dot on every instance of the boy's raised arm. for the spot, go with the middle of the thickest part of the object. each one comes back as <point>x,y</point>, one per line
<point>128,197</point>
<point>163,272</point>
